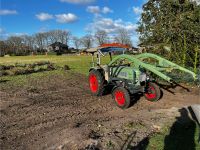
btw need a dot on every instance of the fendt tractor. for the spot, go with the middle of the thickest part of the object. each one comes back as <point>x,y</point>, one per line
<point>129,74</point>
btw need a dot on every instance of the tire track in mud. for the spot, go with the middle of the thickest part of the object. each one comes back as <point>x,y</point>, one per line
<point>28,116</point>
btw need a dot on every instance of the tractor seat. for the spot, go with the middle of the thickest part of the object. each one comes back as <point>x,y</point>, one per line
<point>105,68</point>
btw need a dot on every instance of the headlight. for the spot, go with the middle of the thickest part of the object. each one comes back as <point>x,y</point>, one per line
<point>142,77</point>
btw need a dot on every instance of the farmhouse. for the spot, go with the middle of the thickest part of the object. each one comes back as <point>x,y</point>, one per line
<point>59,48</point>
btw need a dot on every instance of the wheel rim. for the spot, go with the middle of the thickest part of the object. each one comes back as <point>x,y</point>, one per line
<point>120,98</point>
<point>93,83</point>
<point>151,92</point>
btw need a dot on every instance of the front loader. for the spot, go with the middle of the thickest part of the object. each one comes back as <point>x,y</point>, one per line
<point>129,74</point>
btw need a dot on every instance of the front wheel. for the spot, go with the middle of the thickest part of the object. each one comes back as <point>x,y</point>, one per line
<point>153,92</point>
<point>121,97</point>
<point>96,82</point>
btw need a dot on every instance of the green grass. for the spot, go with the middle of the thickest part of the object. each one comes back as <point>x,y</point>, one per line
<point>80,64</point>
<point>77,64</point>
<point>176,137</point>
<point>7,82</point>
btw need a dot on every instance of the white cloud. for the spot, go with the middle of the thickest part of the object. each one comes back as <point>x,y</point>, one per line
<point>98,10</point>
<point>106,10</point>
<point>44,16</point>
<point>110,26</point>
<point>93,9</point>
<point>8,12</point>
<point>79,1</point>
<point>66,18</point>
<point>60,18</point>
<point>137,10</point>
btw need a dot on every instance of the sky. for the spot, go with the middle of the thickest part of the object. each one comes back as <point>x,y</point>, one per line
<point>18,17</point>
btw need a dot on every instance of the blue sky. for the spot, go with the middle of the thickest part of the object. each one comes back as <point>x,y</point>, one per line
<point>78,16</point>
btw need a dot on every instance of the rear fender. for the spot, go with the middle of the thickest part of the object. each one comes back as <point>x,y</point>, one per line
<point>94,68</point>
<point>113,88</point>
<point>117,85</point>
<point>99,69</point>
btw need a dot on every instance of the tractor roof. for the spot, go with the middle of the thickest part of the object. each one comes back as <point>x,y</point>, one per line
<point>104,48</point>
<point>115,45</point>
<point>112,49</point>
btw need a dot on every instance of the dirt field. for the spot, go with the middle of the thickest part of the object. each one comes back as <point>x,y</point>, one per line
<point>58,112</point>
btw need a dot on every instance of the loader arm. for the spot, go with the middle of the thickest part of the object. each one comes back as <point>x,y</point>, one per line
<point>165,64</point>
<point>139,64</point>
<point>157,70</point>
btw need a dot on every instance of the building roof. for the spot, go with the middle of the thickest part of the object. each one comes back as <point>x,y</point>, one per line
<point>58,44</point>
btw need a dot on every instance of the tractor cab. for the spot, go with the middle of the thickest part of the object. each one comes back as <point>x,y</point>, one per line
<point>104,49</point>
<point>107,49</point>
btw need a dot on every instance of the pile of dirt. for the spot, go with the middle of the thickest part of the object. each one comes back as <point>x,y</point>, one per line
<point>58,112</point>
<point>19,69</point>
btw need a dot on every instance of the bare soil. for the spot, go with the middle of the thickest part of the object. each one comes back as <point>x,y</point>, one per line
<point>58,112</point>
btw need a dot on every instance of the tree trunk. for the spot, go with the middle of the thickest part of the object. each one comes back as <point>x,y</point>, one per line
<point>196,49</point>
<point>184,50</point>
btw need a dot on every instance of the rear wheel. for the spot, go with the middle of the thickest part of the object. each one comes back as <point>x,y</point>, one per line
<point>153,92</point>
<point>121,97</point>
<point>96,82</point>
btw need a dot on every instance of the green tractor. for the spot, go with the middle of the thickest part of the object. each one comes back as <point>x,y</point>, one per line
<point>129,74</point>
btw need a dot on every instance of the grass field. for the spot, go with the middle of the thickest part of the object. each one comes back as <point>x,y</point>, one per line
<point>79,64</point>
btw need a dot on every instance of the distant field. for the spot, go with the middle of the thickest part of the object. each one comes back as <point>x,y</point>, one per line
<point>79,64</point>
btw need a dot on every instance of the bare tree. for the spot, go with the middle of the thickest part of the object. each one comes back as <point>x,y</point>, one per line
<point>77,42</point>
<point>40,40</point>
<point>22,45</point>
<point>123,37</point>
<point>87,41</point>
<point>59,36</point>
<point>4,49</point>
<point>101,37</point>
<point>15,43</point>
<point>65,36</point>
<point>46,39</point>
<point>28,41</point>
